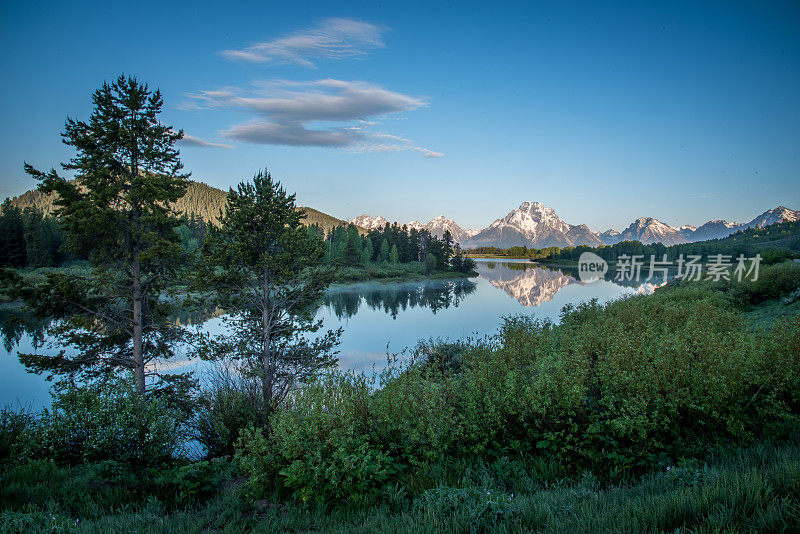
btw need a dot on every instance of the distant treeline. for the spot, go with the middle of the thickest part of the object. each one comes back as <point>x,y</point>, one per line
<point>29,239</point>
<point>395,244</point>
<point>776,242</point>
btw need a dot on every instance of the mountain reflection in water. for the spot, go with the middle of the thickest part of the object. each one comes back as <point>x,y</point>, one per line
<point>529,284</point>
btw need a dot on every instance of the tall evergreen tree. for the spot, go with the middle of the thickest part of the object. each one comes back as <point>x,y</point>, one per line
<point>117,211</point>
<point>353,247</point>
<point>366,255</point>
<point>385,250</point>
<point>265,270</point>
<point>447,248</point>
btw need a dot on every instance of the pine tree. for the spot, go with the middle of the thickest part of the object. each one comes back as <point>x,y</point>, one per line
<point>265,270</point>
<point>352,254</point>
<point>447,248</point>
<point>366,255</point>
<point>117,211</point>
<point>393,255</point>
<point>385,250</point>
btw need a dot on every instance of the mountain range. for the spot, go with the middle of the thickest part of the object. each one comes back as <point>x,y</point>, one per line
<point>532,224</point>
<point>537,226</point>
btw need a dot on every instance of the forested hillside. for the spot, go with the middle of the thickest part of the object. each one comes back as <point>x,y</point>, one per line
<point>201,201</point>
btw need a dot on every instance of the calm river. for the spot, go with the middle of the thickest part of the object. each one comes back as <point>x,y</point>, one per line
<point>378,318</point>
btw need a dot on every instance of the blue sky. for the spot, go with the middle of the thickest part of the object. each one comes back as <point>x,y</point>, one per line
<point>606,111</point>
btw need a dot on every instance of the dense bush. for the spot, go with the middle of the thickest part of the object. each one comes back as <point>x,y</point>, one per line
<point>228,404</point>
<point>773,281</point>
<point>109,421</point>
<point>615,389</point>
<point>319,446</point>
<point>15,431</point>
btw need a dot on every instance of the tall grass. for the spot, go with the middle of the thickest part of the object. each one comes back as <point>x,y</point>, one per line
<point>756,489</point>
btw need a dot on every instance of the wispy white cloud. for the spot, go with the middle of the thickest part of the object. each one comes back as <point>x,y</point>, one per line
<point>331,38</point>
<point>190,140</point>
<point>324,113</point>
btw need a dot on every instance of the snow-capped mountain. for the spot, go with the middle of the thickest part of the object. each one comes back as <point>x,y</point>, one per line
<point>775,215</point>
<point>533,225</point>
<point>649,230</point>
<point>718,229</point>
<point>609,237</point>
<point>687,230</point>
<point>440,224</point>
<point>369,222</point>
<point>712,230</point>
<point>437,226</point>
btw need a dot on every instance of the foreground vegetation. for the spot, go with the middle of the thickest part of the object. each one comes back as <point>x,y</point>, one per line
<point>652,413</point>
<point>744,490</point>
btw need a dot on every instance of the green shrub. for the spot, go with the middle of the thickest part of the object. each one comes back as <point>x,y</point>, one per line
<point>319,447</point>
<point>16,429</point>
<point>774,281</point>
<point>110,421</point>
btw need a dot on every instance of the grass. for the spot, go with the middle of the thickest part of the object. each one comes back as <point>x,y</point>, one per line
<point>400,272</point>
<point>755,489</point>
<point>35,275</point>
<point>764,314</point>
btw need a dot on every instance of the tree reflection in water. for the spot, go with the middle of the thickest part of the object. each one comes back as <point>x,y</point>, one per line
<point>392,298</point>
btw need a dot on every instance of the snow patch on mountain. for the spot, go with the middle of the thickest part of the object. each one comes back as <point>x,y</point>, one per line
<point>369,222</point>
<point>648,230</point>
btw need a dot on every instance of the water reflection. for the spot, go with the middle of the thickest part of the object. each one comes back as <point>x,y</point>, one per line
<point>529,284</point>
<point>345,302</point>
<point>15,323</point>
<point>377,318</point>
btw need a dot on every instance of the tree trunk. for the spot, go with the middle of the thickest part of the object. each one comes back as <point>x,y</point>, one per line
<point>138,352</point>
<point>138,349</point>
<point>266,356</point>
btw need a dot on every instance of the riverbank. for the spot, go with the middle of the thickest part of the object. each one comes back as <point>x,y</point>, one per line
<point>389,273</point>
<point>494,257</point>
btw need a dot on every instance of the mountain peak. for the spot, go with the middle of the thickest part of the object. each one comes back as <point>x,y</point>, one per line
<point>369,222</point>
<point>533,224</point>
